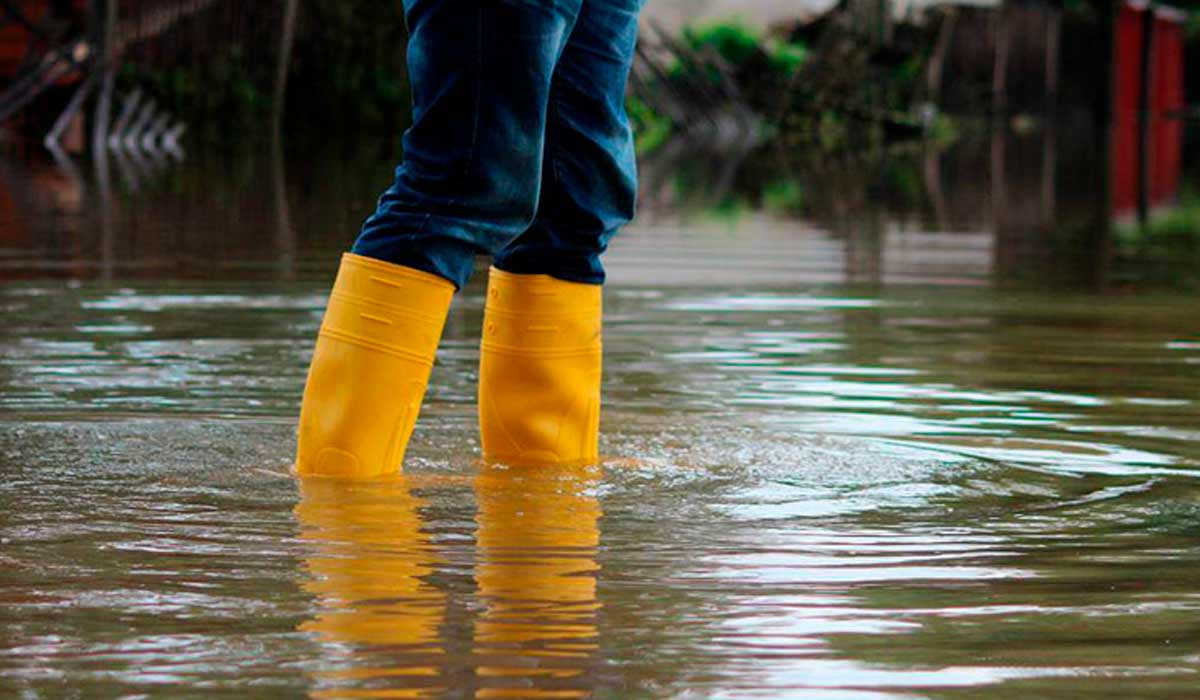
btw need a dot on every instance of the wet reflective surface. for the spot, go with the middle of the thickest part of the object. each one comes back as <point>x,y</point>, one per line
<point>820,482</point>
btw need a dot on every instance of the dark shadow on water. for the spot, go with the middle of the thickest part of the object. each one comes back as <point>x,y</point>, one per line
<point>1015,206</point>
<point>1021,206</point>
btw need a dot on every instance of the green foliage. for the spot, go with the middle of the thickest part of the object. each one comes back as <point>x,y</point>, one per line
<point>745,48</point>
<point>732,40</point>
<point>830,129</point>
<point>904,182</point>
<point>216,95</point>
<point>786,57</point>
<point>1167,249</point>
<point>818,185</point>
<point>347,75</point>
<point>650,129</point>
<point>1191,26</point>
<point>904,77</point>
<point>1172,234</point>
<point>783,196</point>
<point>944,129</point>
<point>348,69</point>
<point>852,94</point>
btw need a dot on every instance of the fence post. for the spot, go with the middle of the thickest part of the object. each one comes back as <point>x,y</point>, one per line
<point>106,61</point>
<point>1145,100</point>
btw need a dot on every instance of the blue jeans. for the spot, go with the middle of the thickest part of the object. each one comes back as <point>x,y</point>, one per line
<point>520,146</point>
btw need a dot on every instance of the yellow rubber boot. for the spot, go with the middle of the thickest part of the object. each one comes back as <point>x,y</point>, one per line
<point>539,370</point>
<point>370,367</point>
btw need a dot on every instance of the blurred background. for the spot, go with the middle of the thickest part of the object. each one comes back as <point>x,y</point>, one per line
<point>965,143</point>
<point>901,386</point>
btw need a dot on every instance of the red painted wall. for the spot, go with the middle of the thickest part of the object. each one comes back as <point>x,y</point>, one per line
<point>1166,98</point>
<point>1127,84</point>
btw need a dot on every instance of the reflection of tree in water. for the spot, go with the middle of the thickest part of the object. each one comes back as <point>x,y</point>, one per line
<point>694,176</point>
<point>1012,206</point>
<point>1018,204</point>
<point>848,193</point>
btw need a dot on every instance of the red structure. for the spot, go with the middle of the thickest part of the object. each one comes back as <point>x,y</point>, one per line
<point>16,38</point>
<point>1157,84</point>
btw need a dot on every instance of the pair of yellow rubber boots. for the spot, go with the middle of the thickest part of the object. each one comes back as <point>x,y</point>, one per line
<point>539,372</point>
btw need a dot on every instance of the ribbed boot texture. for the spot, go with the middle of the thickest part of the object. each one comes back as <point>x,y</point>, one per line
<point>539,372</point>
<point>370,367</point>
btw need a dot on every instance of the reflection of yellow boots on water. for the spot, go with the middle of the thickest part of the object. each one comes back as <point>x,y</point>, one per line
<point>367,563</point>
<point>370,367</point>
<point>536,575</point>
<point>539,370</point>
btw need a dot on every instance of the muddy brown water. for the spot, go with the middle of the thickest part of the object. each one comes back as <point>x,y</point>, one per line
<point>829,474</point>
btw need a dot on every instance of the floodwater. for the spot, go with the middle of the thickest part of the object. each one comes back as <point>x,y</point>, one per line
<point>848,455</point>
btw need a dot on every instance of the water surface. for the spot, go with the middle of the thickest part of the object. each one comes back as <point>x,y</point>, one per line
<point>826,476</point>
<point>809,493</point>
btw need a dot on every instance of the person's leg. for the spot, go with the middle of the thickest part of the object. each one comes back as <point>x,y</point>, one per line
<point>589,178</point>
<point>539,376</point>
<point>480,73</point>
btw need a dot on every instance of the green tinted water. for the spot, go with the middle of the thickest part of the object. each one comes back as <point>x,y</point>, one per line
<point>821,491</point>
